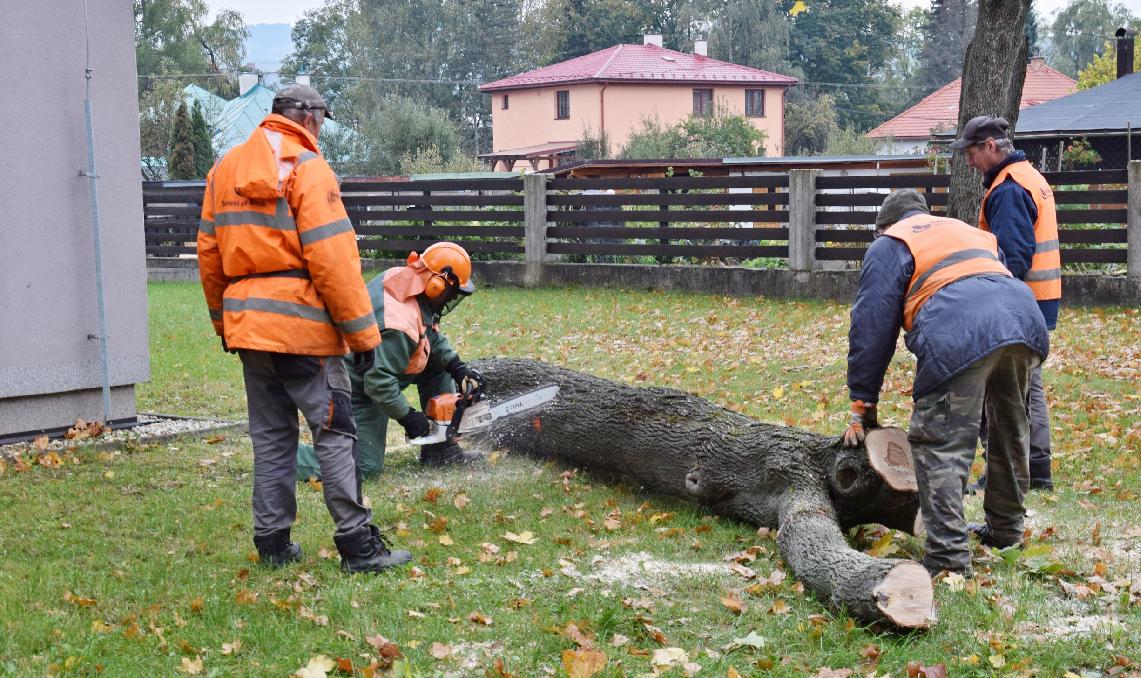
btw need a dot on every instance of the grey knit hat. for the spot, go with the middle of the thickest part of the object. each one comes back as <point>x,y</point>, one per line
<point>899,203</point>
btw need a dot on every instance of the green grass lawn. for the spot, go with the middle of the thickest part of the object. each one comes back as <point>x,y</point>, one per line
<point>137,561</point>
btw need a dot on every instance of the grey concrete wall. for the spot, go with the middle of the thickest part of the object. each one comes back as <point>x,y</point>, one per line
<point>47,272</point>
<point>1077,289</point>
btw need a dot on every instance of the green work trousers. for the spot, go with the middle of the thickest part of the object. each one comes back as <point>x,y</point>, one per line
<point>372,424</point>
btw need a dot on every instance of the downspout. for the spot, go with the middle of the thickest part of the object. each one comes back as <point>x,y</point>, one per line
<point>96,228</point>
<point>602,116</point>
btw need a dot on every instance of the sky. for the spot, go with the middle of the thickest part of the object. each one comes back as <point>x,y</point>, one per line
<point>288,11</point>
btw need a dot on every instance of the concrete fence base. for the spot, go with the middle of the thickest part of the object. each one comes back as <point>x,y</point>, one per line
<point>1078,289</point>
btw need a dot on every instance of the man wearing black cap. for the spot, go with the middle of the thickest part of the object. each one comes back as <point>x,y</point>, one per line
<point>976,334</point>
<point>1019,209</point>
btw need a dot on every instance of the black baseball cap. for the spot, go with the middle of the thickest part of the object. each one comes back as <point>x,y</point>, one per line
<point>979,129</point>
<point>303,97</point>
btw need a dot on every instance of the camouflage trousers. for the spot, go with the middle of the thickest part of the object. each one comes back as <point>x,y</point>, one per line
<point>943,434</point>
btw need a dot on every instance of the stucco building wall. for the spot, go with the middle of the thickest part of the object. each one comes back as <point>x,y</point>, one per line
<point>50,372</point>
<point>619,109</point>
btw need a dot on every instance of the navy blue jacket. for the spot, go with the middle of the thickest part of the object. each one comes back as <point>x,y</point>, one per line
<point>1010,214</point>
<point>959,324</point>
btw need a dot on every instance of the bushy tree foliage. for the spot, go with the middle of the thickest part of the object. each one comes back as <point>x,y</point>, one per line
<point>1103,68</point>
<point>203,142</point>
<point>949,28</point>
<point>752,33</point>
<point>180,158</point>
<point>720,135</point>
<point>1081,28</point>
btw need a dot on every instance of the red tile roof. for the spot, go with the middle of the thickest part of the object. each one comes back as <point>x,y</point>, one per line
<point>940,110</point>
<point>639,63</point>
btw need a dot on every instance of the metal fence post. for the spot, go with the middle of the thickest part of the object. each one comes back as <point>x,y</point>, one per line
<point>1133,221</point>
<point>534,227</point>
<point>802,219</point>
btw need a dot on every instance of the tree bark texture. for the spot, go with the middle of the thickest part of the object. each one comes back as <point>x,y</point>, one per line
<point>805,485</point>
<point>993,74</point>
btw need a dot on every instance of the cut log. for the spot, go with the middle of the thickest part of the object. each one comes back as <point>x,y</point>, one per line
<point>805,485</point>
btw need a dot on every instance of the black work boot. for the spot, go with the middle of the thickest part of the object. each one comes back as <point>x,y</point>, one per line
<point>1040,478</point>
<point>982,531</point>
<point>275,549</point>
<point>447,454</point>
<point>364,550</point>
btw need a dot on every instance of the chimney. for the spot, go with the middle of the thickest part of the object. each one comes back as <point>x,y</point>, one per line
<point>1037,62</point>
<point>246,82</point>
<point>1125,51</point>
<point>302,79</point>
<point>701,47</point>
<point>652,39</point>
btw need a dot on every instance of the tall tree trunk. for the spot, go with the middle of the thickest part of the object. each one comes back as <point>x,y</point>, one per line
<point>993,73</point>
<point>805,485</point>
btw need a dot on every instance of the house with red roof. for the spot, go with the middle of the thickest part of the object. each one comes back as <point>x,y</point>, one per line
<point>910,131</point>
<point>538,116</point>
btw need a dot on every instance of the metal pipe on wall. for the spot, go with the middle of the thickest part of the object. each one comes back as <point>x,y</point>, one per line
<point>97,231</point>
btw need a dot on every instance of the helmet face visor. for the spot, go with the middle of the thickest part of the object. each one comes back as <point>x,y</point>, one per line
<point>454,301</point>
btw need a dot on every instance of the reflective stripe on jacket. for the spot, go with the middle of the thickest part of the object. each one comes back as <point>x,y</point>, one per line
<point>1045,274</point>
<point>945,250</point>
<point>277,254</point>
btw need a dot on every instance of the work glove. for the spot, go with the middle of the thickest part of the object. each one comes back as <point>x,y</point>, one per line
<point>363,361</point>
<point>467,380</point>
<point>863,418</point>
<point>415,424</point>
<point>226,347</point>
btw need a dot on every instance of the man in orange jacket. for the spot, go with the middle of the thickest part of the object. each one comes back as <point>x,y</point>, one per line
<point>280,268</point>
<point>1019,209</point>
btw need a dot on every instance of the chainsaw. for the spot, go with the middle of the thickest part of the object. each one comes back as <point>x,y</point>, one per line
<point>451,415</point>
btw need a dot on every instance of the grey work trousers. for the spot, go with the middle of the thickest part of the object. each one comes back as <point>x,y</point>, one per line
<point>277,386</point>
<point>944,428</point>
<point>1039,414</point>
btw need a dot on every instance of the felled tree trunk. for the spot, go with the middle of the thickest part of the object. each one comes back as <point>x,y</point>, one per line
<point>805,485</point>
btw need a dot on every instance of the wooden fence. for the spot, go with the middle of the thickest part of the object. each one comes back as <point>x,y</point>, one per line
<point>798,219</point>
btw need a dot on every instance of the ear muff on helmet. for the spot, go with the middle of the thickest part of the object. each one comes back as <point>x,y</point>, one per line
<point>437,284</point>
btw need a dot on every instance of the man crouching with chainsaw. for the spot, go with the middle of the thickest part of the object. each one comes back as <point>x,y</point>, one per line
<point>408,302</point>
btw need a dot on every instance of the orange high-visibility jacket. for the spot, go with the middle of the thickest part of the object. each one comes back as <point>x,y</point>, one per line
<point>945,250</point>
<point>1045,275</point>
<point>277,254</point>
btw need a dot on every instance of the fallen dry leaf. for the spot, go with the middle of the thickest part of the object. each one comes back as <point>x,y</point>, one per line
<point>190,666</point>
<point>618,640</point>
<point>522,538</point>
<point>318,667</point>
<point>78,601</point>
<point>583,663</point>
<point>734,603</point>
<point>832,673</point>
<point>461,501</point>
<point>231,648</point>
<point>432,494</point>
<point>669,656</point>
<point>479,618</point>
<point>440,650</point>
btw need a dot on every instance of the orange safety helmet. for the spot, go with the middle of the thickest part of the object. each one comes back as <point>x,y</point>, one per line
<point>450,265</point>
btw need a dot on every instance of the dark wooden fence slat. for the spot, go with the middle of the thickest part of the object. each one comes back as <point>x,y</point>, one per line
<point>885,181</point>
<point>357,216</point>
<point>738,251</point>
<point>836,235</point>
<point>672,233</point>
<point>1114,197</point>
<point>443,232</point>
<point>1117,216</point>
<point>672,183</point>
<point>584,200</point>
<point>171,251</point>
<point>353,200</point>
<point>433,185</point>
<point>1087,177</point>
<point>174,211</point>
<point>1088,256</point>
<point>1094,235</point>
<point>672,216</point>
<point>481,246</point>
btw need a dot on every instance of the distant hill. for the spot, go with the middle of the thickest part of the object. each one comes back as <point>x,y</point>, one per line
<point>268,44</point>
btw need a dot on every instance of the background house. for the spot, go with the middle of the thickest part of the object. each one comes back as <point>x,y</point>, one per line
<point>911,130</point>
<point>50,359</point>
<point>537,116</point>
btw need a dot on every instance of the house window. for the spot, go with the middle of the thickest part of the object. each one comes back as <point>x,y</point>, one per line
<point>755,103</point>
<point>703,102</point>
<point>562,104</point>
<point>505,102</point>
